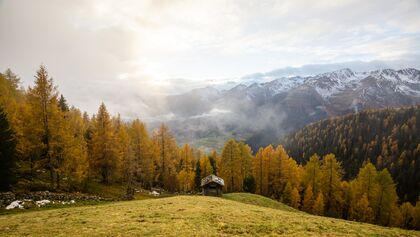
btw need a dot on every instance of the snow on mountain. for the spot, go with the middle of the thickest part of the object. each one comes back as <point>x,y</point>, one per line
<point>332,83</point>
<point>262,112</point>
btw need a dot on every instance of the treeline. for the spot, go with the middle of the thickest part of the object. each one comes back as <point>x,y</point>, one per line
<point>47,144</point>
<point>318,186</point>
<point>53,146</point>
<point>389,138</point>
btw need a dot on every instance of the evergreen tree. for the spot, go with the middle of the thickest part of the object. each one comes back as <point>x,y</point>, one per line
<point>7,153</point>
<point>63,104</point>
<point>249,184</point>
<point>197,178</point>
<point>213,161</point>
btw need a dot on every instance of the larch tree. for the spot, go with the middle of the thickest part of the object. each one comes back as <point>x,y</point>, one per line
<point>126,166</point>
<point>366,185</point>
<point>144,153</point>
<point>331,174</point>
<point>105,151</point>
<point>205,166</point>
<point>167,157</point>
<point>44,109</point>
<point>386,197</point>
<point>312,174</point>
<point>186,169</point>
<point>308,199</point>
<point>230,164</point>
<point>361,210</point>
<point>257,171</point>
<point>318,207</point>
<point>407,211</point>
<point>245,154</point>
<point>295,198</point>
<point>75,164</point>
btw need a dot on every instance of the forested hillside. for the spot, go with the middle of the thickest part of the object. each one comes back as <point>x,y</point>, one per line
<point>389,138</point>
<point>51,145</point>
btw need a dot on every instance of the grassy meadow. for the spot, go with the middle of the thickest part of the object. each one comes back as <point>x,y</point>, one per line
<point>236,214</point>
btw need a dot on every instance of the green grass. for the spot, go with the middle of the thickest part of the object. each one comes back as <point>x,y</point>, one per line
<point>186,216</point>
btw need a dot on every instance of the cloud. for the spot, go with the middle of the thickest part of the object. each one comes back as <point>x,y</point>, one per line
<point>130,53</point>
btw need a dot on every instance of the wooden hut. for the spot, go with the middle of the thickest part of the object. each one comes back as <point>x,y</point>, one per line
<point>212,185</point>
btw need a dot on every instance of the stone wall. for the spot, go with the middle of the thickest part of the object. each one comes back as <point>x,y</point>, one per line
<point>8,197</point>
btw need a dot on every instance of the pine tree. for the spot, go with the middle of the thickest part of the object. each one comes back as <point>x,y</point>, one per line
<point>62,103</point>
<point>7,153</point>
<point>213,161</point>
<point>197,178</point>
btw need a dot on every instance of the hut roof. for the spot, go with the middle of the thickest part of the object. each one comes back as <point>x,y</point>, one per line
<point>212,178</point>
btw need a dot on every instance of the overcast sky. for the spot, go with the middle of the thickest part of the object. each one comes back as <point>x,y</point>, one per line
<point>126,53</point>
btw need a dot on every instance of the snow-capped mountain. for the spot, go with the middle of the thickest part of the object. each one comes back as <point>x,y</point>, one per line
<point>264,112</point>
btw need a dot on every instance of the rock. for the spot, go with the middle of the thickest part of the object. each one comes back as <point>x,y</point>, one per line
<point>43,202</point>
<point>15,204</point>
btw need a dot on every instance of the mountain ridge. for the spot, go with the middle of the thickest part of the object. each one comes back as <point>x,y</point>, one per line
<point>283,105</point>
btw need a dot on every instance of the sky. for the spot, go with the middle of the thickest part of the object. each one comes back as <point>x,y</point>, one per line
<point>130,53</point>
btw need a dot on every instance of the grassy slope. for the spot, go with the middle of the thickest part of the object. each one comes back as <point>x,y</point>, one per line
<point>258,200</point>
<point>185,216</point>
